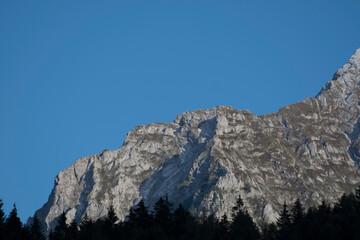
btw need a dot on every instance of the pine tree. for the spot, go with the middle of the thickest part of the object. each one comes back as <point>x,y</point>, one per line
<point>238,207</point>
<point>73,230</point>
<point>357,193</point>
<point>142,217</point>
<point>224,226</point>
<point>242,226</point>
<point>13,225</point>
<point>163,216</point>
<point>162,210</point>
<point>61,229</point>
<point>86,228</point>
<point>224,222</point>
<point>2,213</point>
<point>297,212</point>
<point>111,217</point>
<point>2,220</point>
<point>284,220</point>
<point>36,230</point>
<point>110,223</point>
<point>269,232</point>
<point>182,218</point>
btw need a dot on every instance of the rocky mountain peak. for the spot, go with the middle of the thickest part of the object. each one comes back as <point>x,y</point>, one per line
<point>356,57</point>
<point>346,79</point>
<point>206,158</point>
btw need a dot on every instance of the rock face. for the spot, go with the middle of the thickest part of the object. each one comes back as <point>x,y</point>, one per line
<point>206,158</point>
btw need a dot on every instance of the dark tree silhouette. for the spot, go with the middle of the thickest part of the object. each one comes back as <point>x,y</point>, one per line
<point>284,219</point>
<point>61,229</point>
<point>242,225</point>
<point>357,193</point>
<point>297,212</point>
<point>269,232</point>
<point>13,225</point>
<point>73,230</point>
<point>318,222</point>
<point>284,222</point>
<point>86,228</point>
<point>2,220</point>
<point>141,217</point>
<point>162,212</point>
<point>111,217</point>
<point>36,229</point>
<point>182,219</point>
<point>110,223</point>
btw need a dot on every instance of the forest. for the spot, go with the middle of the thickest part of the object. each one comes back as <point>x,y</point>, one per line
<point>338,221</point>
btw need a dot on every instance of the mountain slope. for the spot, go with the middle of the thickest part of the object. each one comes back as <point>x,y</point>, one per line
<point>206,158</point>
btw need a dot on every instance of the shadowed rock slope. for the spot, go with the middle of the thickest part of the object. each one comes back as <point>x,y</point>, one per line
<point>206,158</point>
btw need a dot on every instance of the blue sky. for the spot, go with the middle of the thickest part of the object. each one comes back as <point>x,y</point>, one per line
<point>76,76</point>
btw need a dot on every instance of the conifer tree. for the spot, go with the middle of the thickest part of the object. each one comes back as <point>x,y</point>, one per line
<point>224,227</point>
<point>242,226</point>
<point>13,225</point>
<point>142,217</point>
<point>110,223</point>
<point>284,220</point>
<point>297,212</point>
<point>86,228</point>
<point>162,213</point>
<point>61,229</point>
<point>182,218</point>
<point>2,220</point>
<point>163,217</point>
<point>2,213</point>
<point>36,230</point>
<point>269,232</point>
<point>224,222</point>
<point>73,230</point>
<point>357,193</point>
<point>111,217</point>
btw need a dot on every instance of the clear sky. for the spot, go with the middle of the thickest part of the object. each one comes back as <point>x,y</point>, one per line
<point>76,76</point>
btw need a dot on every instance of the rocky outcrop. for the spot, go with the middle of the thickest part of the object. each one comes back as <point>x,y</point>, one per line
<point>206,158</point>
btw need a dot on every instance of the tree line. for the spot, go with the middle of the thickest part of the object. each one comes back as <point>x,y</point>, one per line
<point>340,221</point>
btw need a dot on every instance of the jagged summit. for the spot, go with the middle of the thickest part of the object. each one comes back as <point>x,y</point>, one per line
<point>356,57</point>
<point>346,78</point>
<point>206,158</point>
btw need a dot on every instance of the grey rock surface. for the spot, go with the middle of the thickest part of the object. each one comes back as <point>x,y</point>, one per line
<point>205,159</point>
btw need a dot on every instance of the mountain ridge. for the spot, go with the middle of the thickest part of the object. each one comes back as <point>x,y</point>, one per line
<point>206,158</point>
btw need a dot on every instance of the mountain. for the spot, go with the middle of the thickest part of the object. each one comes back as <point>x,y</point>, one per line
<point>205,159</point>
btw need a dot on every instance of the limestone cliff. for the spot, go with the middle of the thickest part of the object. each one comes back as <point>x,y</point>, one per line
<point>206,158</point>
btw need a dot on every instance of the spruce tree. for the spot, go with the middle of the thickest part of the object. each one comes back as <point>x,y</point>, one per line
<point>2,220</point>
<point>86,228</point>
<point>242,225</point>
<point>182,218</point>
<point>224,222</point>
<point>73,230</point>
<point>284,220</point>
<point>13,225</point>
<point>36,229</point>
<point>111,217</point>
<point>163,216</point>
<point>162,209</point>
<point>297,212</point>
<point>224,226</point>
<point>357,193</point>
<point>110,223</point>
<point>142,217</point>
<point>2,213</point>
<point>269,232</point>
<point>61,228</point>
